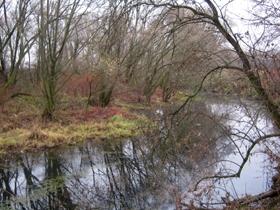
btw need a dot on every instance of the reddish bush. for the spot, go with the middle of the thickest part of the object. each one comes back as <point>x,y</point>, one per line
<point>134,95</point>
<point>79,85</point>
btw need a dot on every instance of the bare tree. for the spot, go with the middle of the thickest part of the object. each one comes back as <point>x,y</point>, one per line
<point>113,49</point>
<point>16,39</point>
<point>210,13</point>
<point>57,21</point>
<point>173,57</point>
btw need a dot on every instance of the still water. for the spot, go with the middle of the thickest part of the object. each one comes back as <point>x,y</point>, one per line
<point>157,171</point>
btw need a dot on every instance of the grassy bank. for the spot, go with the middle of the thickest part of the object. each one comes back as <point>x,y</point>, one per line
<point>23,130</point>
<point>56,134</point>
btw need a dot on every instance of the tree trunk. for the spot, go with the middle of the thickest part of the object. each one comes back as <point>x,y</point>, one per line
<point>247,70</point>
<point>272,107</point>
<point>256,198</point>
<point>47,116</point>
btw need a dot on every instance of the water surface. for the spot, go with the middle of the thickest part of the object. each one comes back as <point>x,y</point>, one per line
<point>155,171</point>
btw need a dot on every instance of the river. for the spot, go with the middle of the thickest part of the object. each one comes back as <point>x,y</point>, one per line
<point>157,171</point>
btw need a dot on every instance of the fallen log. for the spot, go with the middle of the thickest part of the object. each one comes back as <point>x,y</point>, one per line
<point>256,198</point>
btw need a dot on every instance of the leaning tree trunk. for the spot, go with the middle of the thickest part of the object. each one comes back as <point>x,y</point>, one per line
<point>272,107</point>
<point>247,70</point>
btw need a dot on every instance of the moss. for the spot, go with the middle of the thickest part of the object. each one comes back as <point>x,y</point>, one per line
<point>116,127</point>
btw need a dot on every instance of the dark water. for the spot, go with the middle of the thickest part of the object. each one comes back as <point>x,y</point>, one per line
<point>155,171</point>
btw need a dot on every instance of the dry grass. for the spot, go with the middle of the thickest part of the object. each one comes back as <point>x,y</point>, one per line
<point>21,127</point>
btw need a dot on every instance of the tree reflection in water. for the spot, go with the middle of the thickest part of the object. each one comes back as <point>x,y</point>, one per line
<point>149,172</point>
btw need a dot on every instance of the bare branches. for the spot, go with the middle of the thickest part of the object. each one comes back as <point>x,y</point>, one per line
<point>14,42</point>
<point>201,85</point>
<point>244,160</point>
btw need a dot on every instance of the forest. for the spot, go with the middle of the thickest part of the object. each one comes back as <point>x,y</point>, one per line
<point>139,104</point>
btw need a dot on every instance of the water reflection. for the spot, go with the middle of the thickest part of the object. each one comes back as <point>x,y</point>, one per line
<point>149,172</point>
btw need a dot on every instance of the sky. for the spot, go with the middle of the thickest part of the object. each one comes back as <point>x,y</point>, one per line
<point>240,15</point>
<point>239,9</point>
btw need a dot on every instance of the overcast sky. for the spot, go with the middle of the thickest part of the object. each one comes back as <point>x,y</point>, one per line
<point>240,13</point>
<point>237,10</point>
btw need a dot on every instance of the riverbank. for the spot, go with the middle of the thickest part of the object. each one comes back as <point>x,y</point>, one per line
<point>23,130</point>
